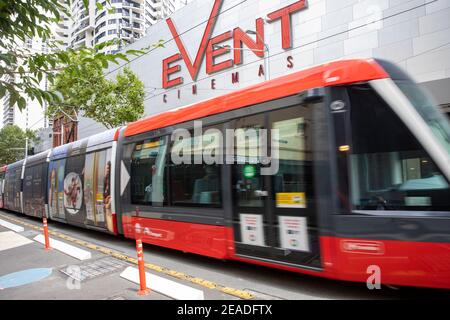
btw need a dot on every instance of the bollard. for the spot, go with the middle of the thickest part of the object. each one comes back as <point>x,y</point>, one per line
<point>47,240</point>
<point>142,281</point>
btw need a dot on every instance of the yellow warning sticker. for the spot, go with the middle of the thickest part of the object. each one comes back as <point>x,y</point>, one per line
<point>291,200</point>
<point>151,144</point>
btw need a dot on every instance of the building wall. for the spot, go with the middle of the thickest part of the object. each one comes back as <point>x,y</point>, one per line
<point>64,131</point>
<point>415,34</point>
<point>168,7</point>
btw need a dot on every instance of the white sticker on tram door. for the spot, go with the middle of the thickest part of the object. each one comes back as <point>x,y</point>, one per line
<point>294,233</point>
<point>252,231</point>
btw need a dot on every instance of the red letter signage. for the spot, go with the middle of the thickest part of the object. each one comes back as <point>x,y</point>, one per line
<point>167,71</point>
<point>212,53</point>
<point>194,68</point>
<point>285,15</point>
<point>240,37</point>
<point>210,47</point>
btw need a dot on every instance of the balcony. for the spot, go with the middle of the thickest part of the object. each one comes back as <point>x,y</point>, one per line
<point>134,6</point>
<point>125,35</point>
<point>125,25</point>
<point>83,16</point>
<point>132,26</point>
<point>78,39</point>
<point>131,4</point>
<point>83,27</point>
<point>62,26</point>
<point>137,26</point>
<point>136,16</point>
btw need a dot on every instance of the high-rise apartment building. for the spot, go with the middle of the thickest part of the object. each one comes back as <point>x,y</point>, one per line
<point>123,19</point>
<point>61,30</point>
<point>33,115</point>
<point>8,113</point>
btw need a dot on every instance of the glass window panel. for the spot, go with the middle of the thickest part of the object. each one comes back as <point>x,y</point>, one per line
<point>247,168</point>
<point>107,200</point>
<point>53,189</point>
<point>390,170</point>
<point>293,182</point>
<point>148,171</point>
<point>38,196</point>
<point>89,187</point>
<point>429,110</point>
<point>196,183</point>
<point>60,187</point>
<point>290,181</point>
<point>100,175</point>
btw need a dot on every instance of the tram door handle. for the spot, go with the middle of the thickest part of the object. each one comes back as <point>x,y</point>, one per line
<point>261,193</point>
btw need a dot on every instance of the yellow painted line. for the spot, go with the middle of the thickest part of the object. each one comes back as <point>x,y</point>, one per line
<point>242,294</point>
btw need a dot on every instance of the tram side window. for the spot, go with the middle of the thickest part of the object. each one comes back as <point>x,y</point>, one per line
<point>148,161</point>
<point>293,181</point>
<point>28,181</point>
<point>390,170</point>
<point>194,182</point>
<point>38,195</point>
<point>103,197</point>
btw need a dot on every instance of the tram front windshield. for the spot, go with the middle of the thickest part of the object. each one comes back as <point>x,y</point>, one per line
<point>428,110</point>
<point>390,169</point>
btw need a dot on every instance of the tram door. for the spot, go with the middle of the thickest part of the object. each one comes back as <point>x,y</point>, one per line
<point>274,215</point>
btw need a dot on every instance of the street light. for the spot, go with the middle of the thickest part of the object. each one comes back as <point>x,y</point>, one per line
<point>26,129</point>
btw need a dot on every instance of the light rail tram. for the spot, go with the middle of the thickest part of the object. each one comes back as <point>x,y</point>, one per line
<point>362,177</point>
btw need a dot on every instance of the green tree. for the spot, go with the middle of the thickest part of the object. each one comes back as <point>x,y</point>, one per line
<point>121,101</point>
<point>22,20</point>
<point>12,143</point>
<point>83,88</point>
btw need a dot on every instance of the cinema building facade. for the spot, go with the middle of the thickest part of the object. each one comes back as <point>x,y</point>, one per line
<point>213,47</point>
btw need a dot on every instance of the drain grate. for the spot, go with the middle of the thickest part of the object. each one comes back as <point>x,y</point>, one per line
<point>93,269</point>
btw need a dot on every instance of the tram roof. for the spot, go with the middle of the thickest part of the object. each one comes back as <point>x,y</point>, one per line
<point>88,143</point>
<point>15,164</point>
<point>333,73</point>
<point>37,158</point>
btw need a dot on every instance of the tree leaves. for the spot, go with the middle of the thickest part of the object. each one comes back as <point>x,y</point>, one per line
<point>22,71</point>
<point>12,143</point>
<point>122,102</point>
<point>83,88</point>
<point>2,91</point>
<point>22,103</point>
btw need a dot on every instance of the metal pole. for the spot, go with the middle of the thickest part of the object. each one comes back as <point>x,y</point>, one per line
<point>267,62</point>
<point>62,131</point>
<point>26,128</point>
<point>26,146</point>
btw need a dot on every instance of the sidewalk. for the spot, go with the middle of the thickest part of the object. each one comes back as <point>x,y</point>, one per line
<point>45,274</point>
